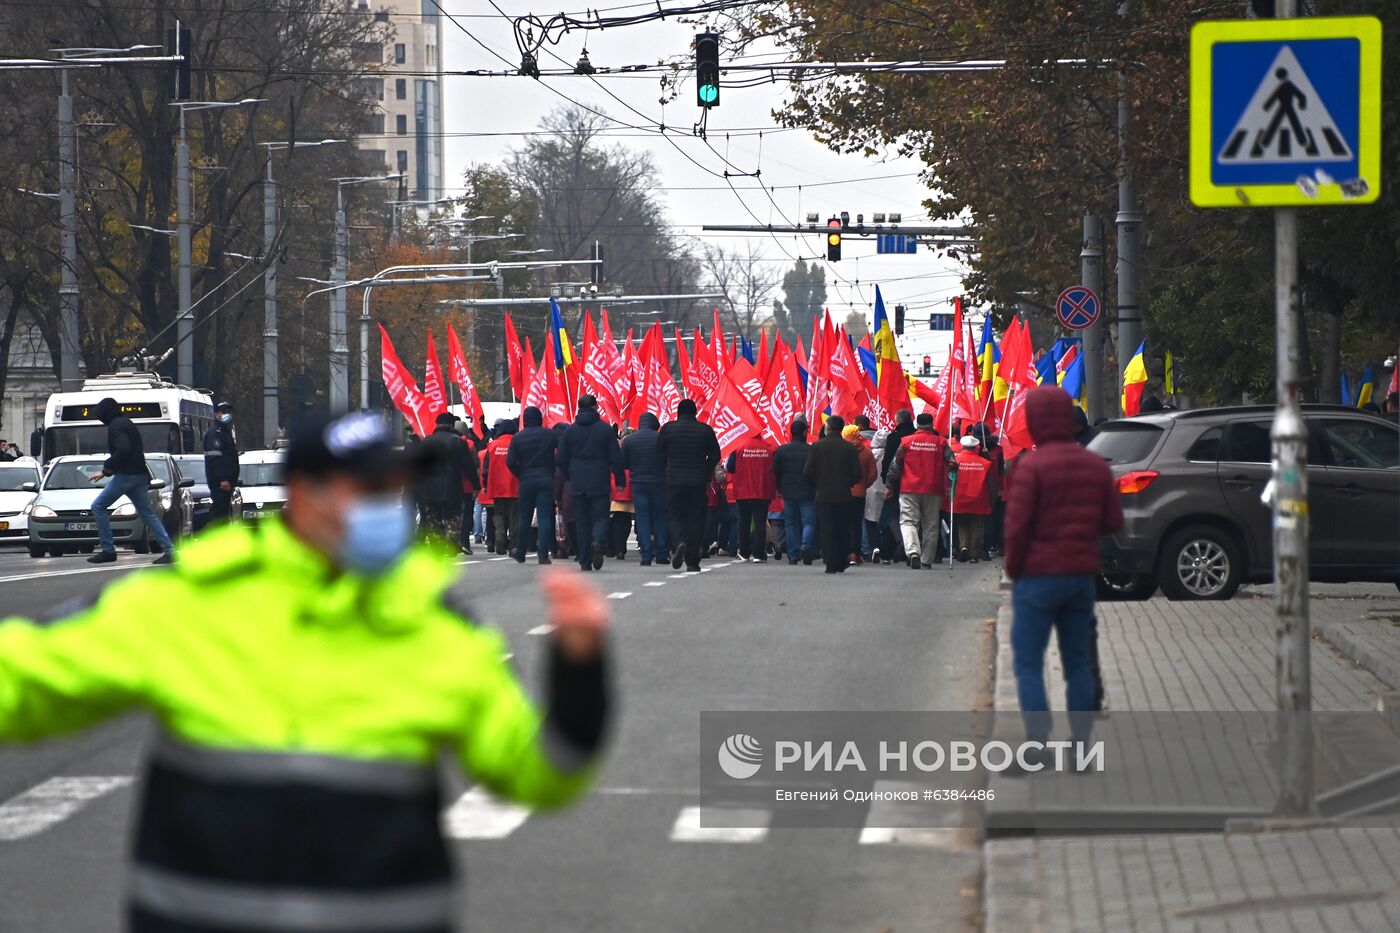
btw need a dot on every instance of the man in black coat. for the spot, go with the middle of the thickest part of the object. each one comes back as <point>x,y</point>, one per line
<point>130,477</point>
<point>441,489</point>
<point>799,505</point>
<point>221,462</point>
<point>833,467</point>
<point>646,474</point>
<point>691,451</point>
<point>903,427</point>
<point>589,457</point>
<point>531,458</point>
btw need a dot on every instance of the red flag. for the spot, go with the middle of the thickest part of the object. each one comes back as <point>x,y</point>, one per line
<point>782,392</point>
<point>595,377</point>
<point>705,370</point>
<point>457,368</point>
<point>637,374</point>
<point>1015,432</point>
<point>732,418</point>
<point>693,390</point>
<point>433,388</point>
<point>925,393</point>
<point>720,354</point>
<point>763,361</point>
<point>661,396</point>
<point>537,389</point>
<point>558,405</point>
<point>402,388</point>
<point>848,395</point>
<point>515,359</point>
<point>748,381</point>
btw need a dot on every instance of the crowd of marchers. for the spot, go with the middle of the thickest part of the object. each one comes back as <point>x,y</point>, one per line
<point>844,494</point>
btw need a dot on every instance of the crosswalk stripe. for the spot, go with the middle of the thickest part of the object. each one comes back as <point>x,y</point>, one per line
<point>655,583</point>
<point>688,829</point>
<point>540,630</point>
<point>478,815</point>
<point>52,802</point>
<point>619,595</point>
<point>908,836</point>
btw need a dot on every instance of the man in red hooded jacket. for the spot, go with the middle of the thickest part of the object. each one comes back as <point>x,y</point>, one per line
<point>1063,499</point>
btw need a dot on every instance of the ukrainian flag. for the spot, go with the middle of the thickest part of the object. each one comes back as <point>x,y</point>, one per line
<point>1074,382</point>
<point>1367,390</point>
<point>563,350</point>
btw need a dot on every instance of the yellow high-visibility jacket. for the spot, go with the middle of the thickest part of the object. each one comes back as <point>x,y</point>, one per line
<point>302,713</point>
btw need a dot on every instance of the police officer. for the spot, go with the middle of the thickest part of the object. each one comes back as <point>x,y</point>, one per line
<point>221,461</point>
<point>305,674</point>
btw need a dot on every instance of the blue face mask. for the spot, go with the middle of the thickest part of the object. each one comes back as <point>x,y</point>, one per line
<point>378,531</point>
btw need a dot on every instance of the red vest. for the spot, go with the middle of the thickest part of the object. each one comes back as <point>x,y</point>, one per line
<point>753,471</point>
<point>502,483</point>
<point>971,496</point>
<point>924,472</point>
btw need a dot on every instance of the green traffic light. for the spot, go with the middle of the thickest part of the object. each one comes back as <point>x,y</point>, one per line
<point>709,93</point>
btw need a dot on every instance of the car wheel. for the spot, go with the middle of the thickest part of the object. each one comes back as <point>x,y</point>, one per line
<point>1125,587</point>
<point>1199,562</point>
<point>36,552</point>
<point>143,546</point>
<point>88,548</point>
<point>55,552</point>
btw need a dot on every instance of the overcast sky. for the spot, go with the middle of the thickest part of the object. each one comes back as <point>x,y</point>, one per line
<point>694,194</point>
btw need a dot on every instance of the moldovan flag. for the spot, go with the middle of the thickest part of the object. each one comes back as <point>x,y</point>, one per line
<point>402,388</point>
<point>457,368</point>
<point>1134,379</point>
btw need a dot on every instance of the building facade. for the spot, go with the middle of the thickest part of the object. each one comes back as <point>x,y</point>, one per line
<point>406,131</point>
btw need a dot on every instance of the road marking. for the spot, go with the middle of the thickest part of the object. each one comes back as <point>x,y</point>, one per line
<point>540,630</point>
<point>677,576</point>
<point>618,595</point>
<point>52,802</point>
<point>494,559</point>
<point>908,836</point>
<point>688,828</point>
<point>119,565</point>
<point>655,583</point>
<point>478,815</point>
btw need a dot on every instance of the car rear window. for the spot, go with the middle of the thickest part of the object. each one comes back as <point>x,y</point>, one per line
<point>1125,441</point>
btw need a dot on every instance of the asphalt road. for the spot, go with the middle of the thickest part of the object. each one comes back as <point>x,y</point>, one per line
<point>740,636</point>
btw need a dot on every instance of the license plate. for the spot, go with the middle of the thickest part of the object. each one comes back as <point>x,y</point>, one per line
<point>79,526</point>
<point>254,514</point>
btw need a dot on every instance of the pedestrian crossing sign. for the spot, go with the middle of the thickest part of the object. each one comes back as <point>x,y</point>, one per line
<point>1286,112</point>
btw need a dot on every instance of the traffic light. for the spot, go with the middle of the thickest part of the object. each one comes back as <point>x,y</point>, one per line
<point>833,240</point>
<point>177,42</point>
<point>899,320</point>
<point>707,69</point>
<point>928,365</point>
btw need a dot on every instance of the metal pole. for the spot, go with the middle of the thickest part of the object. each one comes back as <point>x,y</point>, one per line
<point>184,325</point>
<point>1091,274</point>
<point>271,415</point>
<point>364,349</point>
<point>501,377</point>
<point>68,219</point>
<point>340,350</point>
<point>1129,225</point>
<point>1293,665</point>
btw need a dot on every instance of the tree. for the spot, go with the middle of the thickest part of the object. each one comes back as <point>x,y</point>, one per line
<point>746,284</point>
<point>804,298</point>
<point>857,326</point>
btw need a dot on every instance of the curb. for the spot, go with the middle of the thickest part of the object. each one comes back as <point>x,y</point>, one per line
<point>1341,639</point>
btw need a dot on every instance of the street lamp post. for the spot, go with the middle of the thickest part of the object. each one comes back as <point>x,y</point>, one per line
<point>340,348</point>
<point>271,413</point>
<point>184,195</point>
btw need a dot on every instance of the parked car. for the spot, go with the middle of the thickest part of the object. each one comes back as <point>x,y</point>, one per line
<point>15,499</point>
<point>176,499</point>
<point>61,522</point>
<point>192,467</point>
<point>261,483</point>
<point>1195,524</point>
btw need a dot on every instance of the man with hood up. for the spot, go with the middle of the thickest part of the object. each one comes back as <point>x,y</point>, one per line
<point>531,458</point>
<point>130,477</point>
<point>501,484</point>
<point>1063,499</point>
<point>646,471</point>
<point>588,455</point>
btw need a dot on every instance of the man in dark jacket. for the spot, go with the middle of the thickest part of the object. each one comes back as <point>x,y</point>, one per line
<point>691,452</point>
<point>646,472</point>
<point>221,462</point>
<point>531,457</point>
<point>471,487</point>
<point>440,488</point>
<point>833,467</point>
<point>130,477</point>
<point>903,427</point>
<point>799,507</point>
<point>1062,500</point>
<point>589,456</point>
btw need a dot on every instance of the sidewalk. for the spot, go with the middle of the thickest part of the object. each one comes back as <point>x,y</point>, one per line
<point>1193,657</point>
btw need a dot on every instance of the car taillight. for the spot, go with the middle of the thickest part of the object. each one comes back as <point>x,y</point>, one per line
<point>1130,484</point>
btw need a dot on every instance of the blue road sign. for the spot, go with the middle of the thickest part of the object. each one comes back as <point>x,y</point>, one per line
<point>1078,308</point>
<point>1285,112</point>
<point>896,243</point>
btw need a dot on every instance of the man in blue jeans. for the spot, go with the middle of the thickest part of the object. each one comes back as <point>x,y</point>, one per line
<point>588,453</point>
<point>130,477</point>
<point>646,471</point>
<point>1063,498</point>
<point>799,499</point>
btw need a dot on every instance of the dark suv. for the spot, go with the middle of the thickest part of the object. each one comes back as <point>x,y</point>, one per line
<point>1194,521</point>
